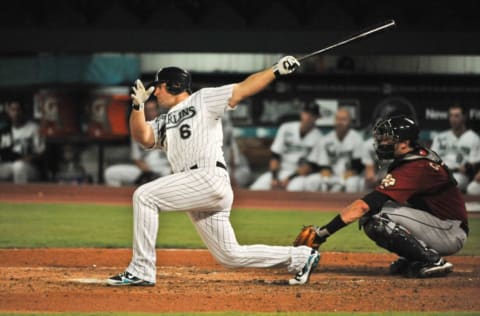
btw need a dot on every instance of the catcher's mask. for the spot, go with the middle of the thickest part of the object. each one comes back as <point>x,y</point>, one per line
<point>387,132</point>
<point>176,79</point>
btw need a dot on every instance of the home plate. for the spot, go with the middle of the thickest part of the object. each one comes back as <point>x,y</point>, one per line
<point>89,281</point>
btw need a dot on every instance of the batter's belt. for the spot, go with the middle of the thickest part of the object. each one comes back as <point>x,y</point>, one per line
<point>218,164</point>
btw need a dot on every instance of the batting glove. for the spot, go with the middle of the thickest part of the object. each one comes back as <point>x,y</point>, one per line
<point>140,95</point>
<point>286,65</point>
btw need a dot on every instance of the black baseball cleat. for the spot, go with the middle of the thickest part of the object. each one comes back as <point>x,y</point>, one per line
<point>125,278</point>
<point>429,270</point>
<point>399,266</point>
<point>438,269</point>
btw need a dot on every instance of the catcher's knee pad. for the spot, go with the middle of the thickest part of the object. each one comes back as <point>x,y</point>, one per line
<point>397,239</point>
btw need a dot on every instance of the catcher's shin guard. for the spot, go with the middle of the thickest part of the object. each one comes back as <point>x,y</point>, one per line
<point>397,239</point>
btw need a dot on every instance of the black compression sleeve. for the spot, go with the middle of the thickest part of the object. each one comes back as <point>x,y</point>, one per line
<point>335,224</point>
<point>375,200</point>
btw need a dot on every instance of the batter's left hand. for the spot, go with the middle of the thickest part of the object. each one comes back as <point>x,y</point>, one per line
<point>140,95</point>
<point>286,65</point>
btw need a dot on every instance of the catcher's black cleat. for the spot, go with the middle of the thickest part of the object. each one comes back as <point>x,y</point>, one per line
<point>438,269</point>
<point>303,276</point>
<point>429,270</point>
<point>126,278</point>
<point>399,266</point>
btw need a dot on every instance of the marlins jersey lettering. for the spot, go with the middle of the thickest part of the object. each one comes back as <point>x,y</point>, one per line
<point>195,127</point>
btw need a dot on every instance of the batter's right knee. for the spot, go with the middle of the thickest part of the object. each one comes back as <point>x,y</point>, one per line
<point>141,196</point>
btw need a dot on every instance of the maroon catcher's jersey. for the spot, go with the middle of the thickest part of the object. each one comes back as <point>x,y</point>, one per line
<point>426,185</point>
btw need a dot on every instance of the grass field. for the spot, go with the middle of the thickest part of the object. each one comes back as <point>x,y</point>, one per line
<point>62,225</point>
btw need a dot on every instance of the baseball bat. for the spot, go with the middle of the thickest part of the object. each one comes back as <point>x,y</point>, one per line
<point>362,34</point>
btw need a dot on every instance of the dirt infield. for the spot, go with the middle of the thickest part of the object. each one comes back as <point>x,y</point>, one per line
<point>52,280</point>
<point>56,280</point>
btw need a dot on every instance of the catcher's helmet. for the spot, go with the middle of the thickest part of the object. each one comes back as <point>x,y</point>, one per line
<point>394,129</point>
<point>177,79</point>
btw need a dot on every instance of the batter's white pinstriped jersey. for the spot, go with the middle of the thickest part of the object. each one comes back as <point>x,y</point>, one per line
<point>195,126</point>
<point>191,134</point>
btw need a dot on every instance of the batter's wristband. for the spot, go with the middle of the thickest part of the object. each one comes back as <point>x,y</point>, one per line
<point>276,71</point>
<point>138,107</point>
<point>335,224</point>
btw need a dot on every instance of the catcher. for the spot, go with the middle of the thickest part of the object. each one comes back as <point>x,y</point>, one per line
<point>416,211</point>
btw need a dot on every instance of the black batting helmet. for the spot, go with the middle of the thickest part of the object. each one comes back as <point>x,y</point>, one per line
<point>395,129</point>
<point>177,79</point>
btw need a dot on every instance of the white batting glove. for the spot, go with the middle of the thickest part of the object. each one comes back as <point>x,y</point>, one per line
<point>286,65</point>
<point>140,95</point>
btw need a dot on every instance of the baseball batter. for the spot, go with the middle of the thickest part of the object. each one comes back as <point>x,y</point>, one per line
<point>191,134</point>
<point>416,211</point>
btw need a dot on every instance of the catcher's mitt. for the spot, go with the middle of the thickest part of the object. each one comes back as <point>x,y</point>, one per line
<point>311,236</point>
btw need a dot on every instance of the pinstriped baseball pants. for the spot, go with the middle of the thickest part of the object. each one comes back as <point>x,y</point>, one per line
<point>206,195</point>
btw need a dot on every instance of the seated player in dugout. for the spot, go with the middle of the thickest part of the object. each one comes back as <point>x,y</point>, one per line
<point>21,146</point>
<point>292,144</point>
<point>459,147</point>
<point>417,211</point>
<point>334,164</point>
